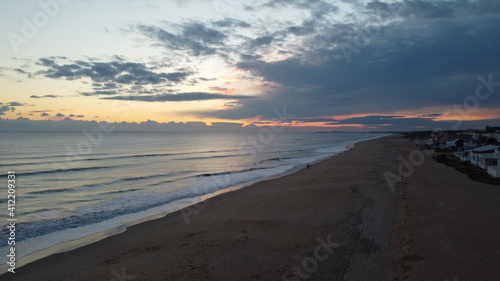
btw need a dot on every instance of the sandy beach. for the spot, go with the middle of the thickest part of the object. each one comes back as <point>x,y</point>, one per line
<point>448,225</point>
<point>337,220</point>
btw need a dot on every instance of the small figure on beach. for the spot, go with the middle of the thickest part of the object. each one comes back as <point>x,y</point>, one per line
<point>308,166</point>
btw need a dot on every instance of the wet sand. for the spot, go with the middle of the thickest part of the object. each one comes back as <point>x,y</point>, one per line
<point>337,220</point>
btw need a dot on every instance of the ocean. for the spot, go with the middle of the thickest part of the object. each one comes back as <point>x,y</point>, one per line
<point>71,185</point>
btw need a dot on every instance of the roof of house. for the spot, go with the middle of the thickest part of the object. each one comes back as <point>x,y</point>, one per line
<point>485,148</point>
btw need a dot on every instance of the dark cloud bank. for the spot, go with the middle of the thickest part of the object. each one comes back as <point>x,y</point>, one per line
<point>402,56</point>
<point>413,55</point>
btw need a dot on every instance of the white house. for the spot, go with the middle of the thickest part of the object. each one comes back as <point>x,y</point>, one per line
<point>477,152</point>
<point>494,171</point>
<point>487,157</point>
<point>486,160</point>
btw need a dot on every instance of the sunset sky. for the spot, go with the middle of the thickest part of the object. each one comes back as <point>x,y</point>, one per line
<point>334,65</point>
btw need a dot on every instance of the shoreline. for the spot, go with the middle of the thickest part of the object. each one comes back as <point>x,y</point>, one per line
<point>274,214</point>
<point>338,220</point>
<point>72,245</point>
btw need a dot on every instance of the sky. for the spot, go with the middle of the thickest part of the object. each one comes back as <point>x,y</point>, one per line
<point>305,64</point>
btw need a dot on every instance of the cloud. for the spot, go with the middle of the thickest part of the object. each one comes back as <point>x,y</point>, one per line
<point>112,73</point>
<point>223,90</point>
<point>402,123</point>
<point>261,41</point>
<point>19,70</point>
<point>41,111</point>
<point>308,27</point>
<point>68,124</point>
<point>72,116</point>
<point>224,38</point>
<point>377,58</point>
<point>60,115</point>
<point>44,114</point>
<point>195,96</point>
<point>99,93</point>
<point>3,109</point>
<point>111,77</point>
<point>15,103</point>
<point>206,79</point>
<point>440,68</point>
<point>432,115</point>
<point>193,37</point>
<point>246,57</point>
<point>230,22</point>
<point>423,9</point>
<point>383,58</point>
<point>45,96</point>
<point>419,9</point>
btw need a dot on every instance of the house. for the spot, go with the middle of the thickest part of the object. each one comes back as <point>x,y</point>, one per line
<point>466,146</point>
<point>469,145</point>
<point>494,171</point>
<point>451,144</point>
<point>487,157</point>
<point>476,136</point>
<point>477,152</point>
<point>497,136</point>
<point>486,160</point>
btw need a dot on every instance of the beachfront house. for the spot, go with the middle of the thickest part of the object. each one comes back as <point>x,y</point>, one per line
<point>486,157</point>
<point>488,160</point>
<point>465,152</point>
<point>469,145</point>
<point>494,171</point>
<point>451,144</point>
<point>483,150</point>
